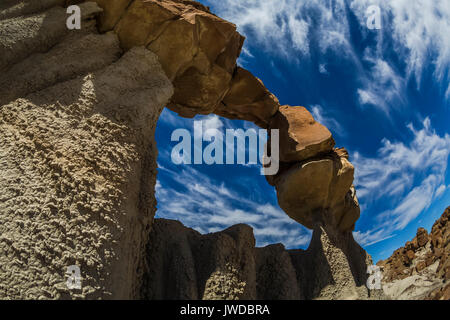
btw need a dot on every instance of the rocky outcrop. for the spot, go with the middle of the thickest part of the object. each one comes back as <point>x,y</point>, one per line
<point>78,110</point>
<point>301,137</point>
<point>421,269</point>
<point>334,267</point>
<point>183,264</point>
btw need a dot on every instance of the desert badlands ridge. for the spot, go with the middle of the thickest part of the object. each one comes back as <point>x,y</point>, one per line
<point>78,111</point>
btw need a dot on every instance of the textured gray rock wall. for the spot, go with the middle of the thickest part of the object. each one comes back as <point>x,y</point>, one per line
<point>183,264</point>
<point>77,161</point>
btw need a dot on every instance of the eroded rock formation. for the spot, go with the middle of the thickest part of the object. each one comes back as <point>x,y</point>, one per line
<point>421,269</point>
<point>78,165</point>
<point>183,264</point>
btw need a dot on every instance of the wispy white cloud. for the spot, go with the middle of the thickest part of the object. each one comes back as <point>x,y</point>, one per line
<point>321,116</point>
<point>323,68</point>
<point>281,26</point>
<point>440,191</point>
<point>370,237</point>
<point>383,87</point>
<point>416,31</point>
<point>208,205</point>
<point>408,176</point>
<point>419,32</point>
<point>212,122</point>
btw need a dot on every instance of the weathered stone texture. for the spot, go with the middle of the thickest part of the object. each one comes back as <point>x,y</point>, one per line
<point>421,269</point>
<point>183,264</point>
<point>78,111</point>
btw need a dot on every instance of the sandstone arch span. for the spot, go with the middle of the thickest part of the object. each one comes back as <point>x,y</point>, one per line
<point>78,158</point>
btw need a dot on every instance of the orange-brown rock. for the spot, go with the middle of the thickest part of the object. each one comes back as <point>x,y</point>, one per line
<point>422,237</point>
<point>351,211</point>
<point>421,265</point>
<point>80,134</point>
<point>301,137</point>
<point>309,188</point>
<point>342,152</point>
<point>112,11</point>
<point>197,49</point>
<point>248,99</point>
<point>410,254</point>
<point>440,294</point>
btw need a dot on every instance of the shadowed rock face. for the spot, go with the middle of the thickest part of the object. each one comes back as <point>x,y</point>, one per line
<point>198,51</point>
<point>78,160</point>
<point>184,264</point>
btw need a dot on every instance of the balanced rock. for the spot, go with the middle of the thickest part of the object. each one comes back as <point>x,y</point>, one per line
<point>309,188</point>
<point>301,137</point>
<point>78,110</point>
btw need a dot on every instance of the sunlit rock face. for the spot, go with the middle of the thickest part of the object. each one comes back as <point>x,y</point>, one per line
<point>421,268</point>
<point>198,51</point>
<point>78,109</point>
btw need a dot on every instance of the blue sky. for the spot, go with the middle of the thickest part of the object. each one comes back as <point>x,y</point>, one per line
<point>384,94</point>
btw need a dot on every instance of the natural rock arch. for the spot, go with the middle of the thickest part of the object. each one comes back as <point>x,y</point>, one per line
<point>78,166</point>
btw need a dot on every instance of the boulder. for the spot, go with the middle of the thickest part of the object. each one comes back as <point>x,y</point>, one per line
<point>248,99</point>
<point>301,137</point>
<point>309,188</point>
<point>410,254</point>
<point>422,237</point>
<point>350,212</point>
